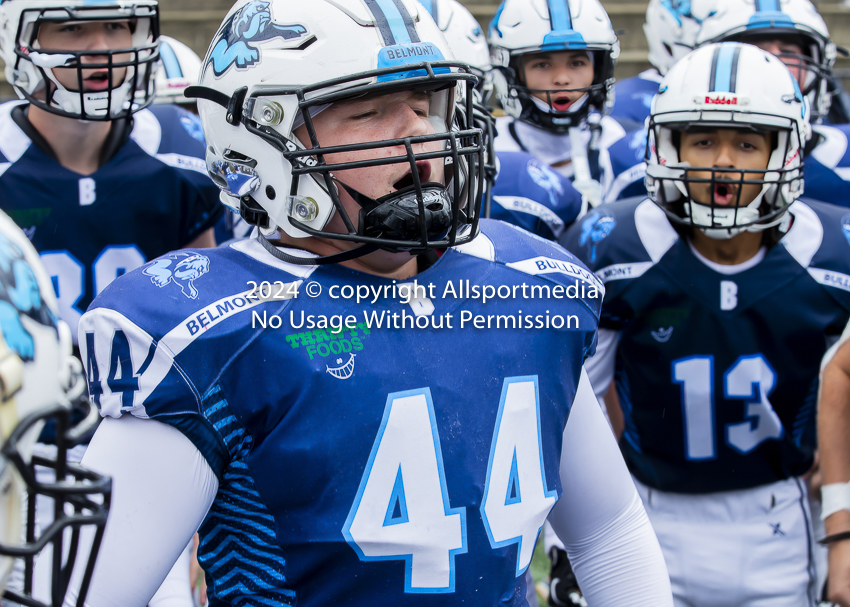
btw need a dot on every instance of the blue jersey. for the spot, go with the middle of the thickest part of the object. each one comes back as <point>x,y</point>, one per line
<point>633,96</point>
<point>529,194</point>
<point>827,165</point>
<point>151,197</point>
<point>370,465</point>
<point>717,374</point>
<point>628,166</point>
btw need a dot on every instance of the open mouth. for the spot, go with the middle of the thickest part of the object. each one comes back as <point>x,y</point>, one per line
<point>97,81</point>
<point>724,194</point>
<point>561,104</point>
<point>423,169</point>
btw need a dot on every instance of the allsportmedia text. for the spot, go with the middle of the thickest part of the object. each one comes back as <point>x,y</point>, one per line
<point>461,289</point>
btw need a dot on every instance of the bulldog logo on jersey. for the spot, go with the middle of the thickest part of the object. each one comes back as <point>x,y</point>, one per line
<point>594,229</point>
<point>237,40</point>
<point>180,268</point>
<point>19,296</point>
<point>547,179</point>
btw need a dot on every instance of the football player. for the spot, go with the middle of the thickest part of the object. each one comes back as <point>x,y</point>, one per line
<point>526,192</point>
<point>554,68</point>
<point>40,380</point>
<point>364,464</point>
<point>797,34</point>
<point>792,30</point>
<point>99,183</point>
<point>671,30</point>
<point>723,290</point>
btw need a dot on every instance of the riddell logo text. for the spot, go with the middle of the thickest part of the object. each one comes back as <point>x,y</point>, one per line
<point>721,100</point>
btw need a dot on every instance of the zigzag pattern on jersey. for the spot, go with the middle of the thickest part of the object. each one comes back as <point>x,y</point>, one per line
<point>238,548</point>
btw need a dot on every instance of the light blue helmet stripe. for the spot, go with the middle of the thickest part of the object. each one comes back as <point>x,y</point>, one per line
<point>169,61</point>
<point>726,57</point>
<point>769,14</point>
<point>768,5</point>
<point>559,15</point>
<point>562,35</point>
<point>388,13</point>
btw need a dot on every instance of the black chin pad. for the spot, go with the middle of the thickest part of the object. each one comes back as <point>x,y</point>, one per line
<point>396,216</point>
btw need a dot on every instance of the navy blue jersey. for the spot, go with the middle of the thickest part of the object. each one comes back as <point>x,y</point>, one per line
<point>151,197</point>
<point>717,374</point>
<point>633,96</point>
<point>529,194</point>
<point>370,465</point>
<point>628,166</point>
<point>827,166</point>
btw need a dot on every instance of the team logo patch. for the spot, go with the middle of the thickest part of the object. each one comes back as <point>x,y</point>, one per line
<point>181,269</point>
<point>845,225</point>
<point>594,229</point>
<point>344,371</point>
<point>638,142</point>
<point>237,40</point>
<point>19,296</point>
<point>662,335</point>
<point>192,124</point>
<point>547,179</point>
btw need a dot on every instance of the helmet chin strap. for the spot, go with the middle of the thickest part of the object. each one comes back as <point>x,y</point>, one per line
<point>354,253</point>
<point>726,233</point>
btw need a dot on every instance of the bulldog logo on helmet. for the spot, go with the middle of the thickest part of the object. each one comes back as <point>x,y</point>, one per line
<point>253,23</point>
<point>19,296</point>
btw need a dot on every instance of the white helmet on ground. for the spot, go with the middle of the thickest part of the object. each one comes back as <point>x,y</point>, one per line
<point>179,67</point>
<point>40,381</point>
<point>792,20</point>
<point>533,26</point>
<point>275,64</point>
<point>30,68</point>
<point>671,29</point>
<point>731,86</point>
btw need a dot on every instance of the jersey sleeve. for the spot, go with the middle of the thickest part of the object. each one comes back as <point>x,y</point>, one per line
<point>608,242</point>
<point>182,147</point>
<point>130,373</point>
<point>529,194</point>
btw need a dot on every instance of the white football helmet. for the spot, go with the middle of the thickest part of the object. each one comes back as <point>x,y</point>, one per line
<point>468,44</point>
<point>733,86</point>
<point>793,20</point>
<point>40,380</point>
<point>29,68</point>
<point>533,26</point>
<point>275,64</point>
<point>179,67</point>
<point>671,29</point>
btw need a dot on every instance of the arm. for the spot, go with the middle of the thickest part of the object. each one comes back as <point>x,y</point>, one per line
<point>600,518</point>
<point>600,366</point>
<point>834,446</point>
<point>162,489</point>
<point>204,240</point>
